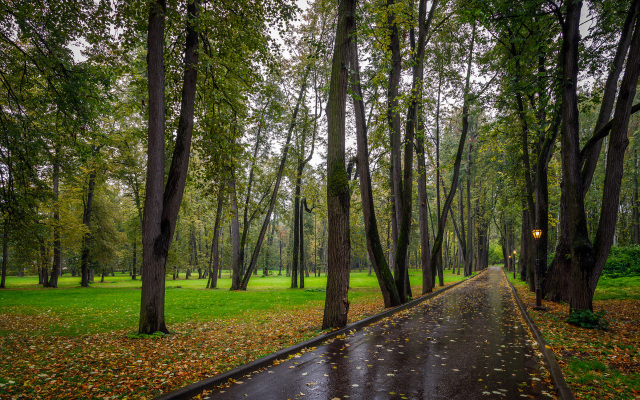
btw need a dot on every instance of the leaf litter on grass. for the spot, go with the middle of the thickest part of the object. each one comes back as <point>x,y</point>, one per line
<point>597,364</point>
<point>118,365</point>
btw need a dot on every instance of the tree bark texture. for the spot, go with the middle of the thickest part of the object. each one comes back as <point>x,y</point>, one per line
<point>338,195</point>
<point>162,203</point>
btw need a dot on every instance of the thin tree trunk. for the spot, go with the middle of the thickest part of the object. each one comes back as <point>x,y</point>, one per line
<point>236,262</point>
<point>469,259</point>
<point>301,230</point>
<point>393,121</point>
<point>57,245</point>
<point>135,259</point>
<point>86,239</point>
<point>437,246</point>
<point>276,188</point>
<point>214,257</point>
<point>295,253</point>
<point>636,199</point>
<point>338,194</point>
<point>5,253</point>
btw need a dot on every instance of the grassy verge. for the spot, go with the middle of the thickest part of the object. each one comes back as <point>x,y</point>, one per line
<point>597,364</point>
<point>79,343</point>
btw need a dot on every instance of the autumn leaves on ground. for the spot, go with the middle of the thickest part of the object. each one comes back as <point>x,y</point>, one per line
<point>597,364</point>
<point>67,344</point>
<point>79,343</point>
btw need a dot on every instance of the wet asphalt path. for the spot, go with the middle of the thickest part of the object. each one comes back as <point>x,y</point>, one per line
<point>468,343</point>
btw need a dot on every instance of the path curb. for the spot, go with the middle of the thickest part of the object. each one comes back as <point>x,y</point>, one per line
<point>187,392</point>
<point>561,386</point>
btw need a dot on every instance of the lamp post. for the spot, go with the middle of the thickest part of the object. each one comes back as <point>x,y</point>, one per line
<point>515,264</point>
<point>537,234</point>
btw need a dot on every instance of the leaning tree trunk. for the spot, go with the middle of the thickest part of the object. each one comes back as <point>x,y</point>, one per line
<point>442,220</point>
<point>336,305</point>
<point>374,246</point>
<point>276,188</point>
<point>163,203</point>
<point>613,176</point>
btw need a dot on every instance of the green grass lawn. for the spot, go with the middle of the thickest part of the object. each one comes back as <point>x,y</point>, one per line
<point>623,288</point>
<point>115,304</point>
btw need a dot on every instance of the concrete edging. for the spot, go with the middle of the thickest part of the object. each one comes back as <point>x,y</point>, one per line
<point>562,388</point>
<point>195,388</point>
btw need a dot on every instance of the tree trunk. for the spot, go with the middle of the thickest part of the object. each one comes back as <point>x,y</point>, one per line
<point>374,246</point>
<point>437,245</point>
<point>573,234</point>
<point>590,156</point>
<point>135,259</point>
<point>236,258</point>
<point>338,194</point>
<point>276,188</point>
<point>214,257</point>
<point>636,199</point>
<point>5,253</point>
<point>434,266</point>
<point>295,253</point>
<point>86,240</point>
<point>469,259</point>
<point>301,230</point>
<point>162,204</point>
<point>57,251</point>
<point>425,262</point>
<point>405,195</point>
<point>613,176</point>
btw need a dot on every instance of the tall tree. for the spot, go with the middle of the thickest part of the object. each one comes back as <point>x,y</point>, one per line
<point>336,305</point>
<point>587,258</point>
<point>276,187</point>
<point>162,203</point>
<point>442,218</point>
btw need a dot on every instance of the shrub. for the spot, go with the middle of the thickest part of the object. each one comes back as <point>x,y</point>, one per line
<point>588,319</point>
<point>623,261</point>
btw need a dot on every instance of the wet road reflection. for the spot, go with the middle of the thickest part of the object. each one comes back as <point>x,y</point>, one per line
<point>468,343</point>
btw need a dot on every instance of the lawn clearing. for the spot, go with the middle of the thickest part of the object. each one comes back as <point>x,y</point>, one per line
<point>596,364</point>
<point>79,343</point>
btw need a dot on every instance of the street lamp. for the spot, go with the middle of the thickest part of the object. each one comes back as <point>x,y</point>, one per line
<point>514,264</point>
<point>537,234</point>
